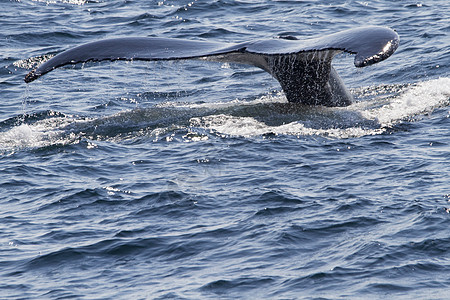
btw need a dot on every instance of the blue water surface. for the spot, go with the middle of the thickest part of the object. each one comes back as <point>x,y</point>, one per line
<point>197,180</point>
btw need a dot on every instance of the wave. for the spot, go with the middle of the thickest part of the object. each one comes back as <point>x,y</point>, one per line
<point>376,111</point>
<point>390,106</point>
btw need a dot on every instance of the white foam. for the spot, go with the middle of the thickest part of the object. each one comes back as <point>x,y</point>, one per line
<point>250,127</point>
<point>269,114</point>
<point>39,134</point>
<point>421,98</point>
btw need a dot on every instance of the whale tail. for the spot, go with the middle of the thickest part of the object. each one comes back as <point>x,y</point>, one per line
<point>302,67</point>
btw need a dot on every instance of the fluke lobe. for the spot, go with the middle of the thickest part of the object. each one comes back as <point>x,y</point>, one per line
<point>302,67</point>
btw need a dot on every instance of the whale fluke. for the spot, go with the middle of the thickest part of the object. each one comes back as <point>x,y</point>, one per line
<point>302,67</point>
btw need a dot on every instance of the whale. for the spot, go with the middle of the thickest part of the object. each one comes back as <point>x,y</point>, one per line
<point>303,67</point>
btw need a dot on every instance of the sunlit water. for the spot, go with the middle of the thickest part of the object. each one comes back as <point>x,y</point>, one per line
<point>199,180</point>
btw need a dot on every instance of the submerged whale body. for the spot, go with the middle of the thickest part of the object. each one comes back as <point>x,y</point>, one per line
<point>302,67</point>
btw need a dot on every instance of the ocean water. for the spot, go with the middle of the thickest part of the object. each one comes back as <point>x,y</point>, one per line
<point>196,180</point>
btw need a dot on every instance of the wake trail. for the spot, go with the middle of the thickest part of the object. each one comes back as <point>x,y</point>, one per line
<point>270,114</point>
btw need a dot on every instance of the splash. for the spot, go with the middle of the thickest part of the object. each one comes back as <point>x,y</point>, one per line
<point>267,115</point>
<point>248,127</point>
<point>39,134</point>
<point>362,118</point>
<point>419,99</point>
<point>32,62</point>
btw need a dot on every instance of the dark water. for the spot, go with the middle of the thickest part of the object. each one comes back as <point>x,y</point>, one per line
<point>197,180</point>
